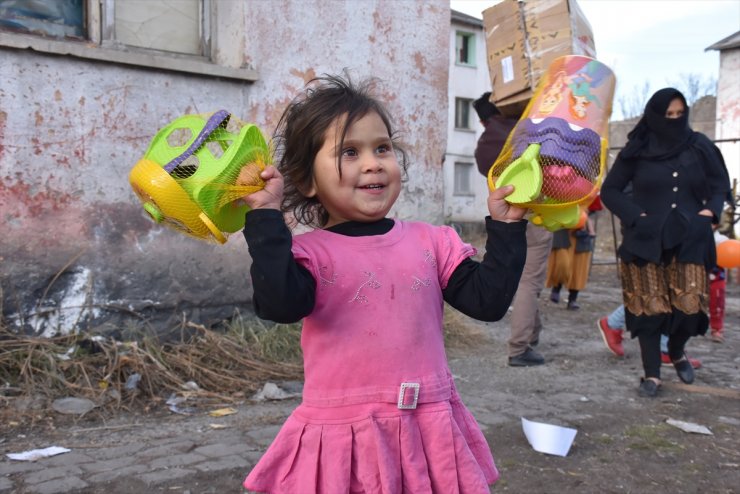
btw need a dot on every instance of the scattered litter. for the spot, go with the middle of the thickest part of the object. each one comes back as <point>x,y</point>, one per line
<point>728,420</point>
<point>37,454</point>
<point>689,427</point>
<point>218,426</point>
<point>584,399</point>
<point>221,412</point>
<point>173,402</point>
<point>73,406</point>
<point>191,386</point>
<point>547,438</point>
<point>133,381</point>
<point>68,354</point>
<point>271,391</point>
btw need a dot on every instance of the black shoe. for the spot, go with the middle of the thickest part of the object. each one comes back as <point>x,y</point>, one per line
<point>684,369</point>
<point>648,388</point>
<point>527,359</point>
<point>534,343</point>
<point>572,305</point>
<point>554,297</point>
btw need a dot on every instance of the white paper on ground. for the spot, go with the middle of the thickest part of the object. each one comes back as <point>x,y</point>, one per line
<point>689,427</point>
<point>37,454</point>
<point>547,438</point>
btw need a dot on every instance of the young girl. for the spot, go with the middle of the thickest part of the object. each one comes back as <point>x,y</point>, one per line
<point>380,412</point>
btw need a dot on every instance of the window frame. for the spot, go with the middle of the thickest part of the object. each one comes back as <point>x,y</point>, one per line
<point>456,189</point>
<point>470,40</point>
<point>458,101</point>
<point>100,47</point>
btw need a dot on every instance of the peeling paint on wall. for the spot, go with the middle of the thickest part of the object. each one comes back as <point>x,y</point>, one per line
<point>68,143</point>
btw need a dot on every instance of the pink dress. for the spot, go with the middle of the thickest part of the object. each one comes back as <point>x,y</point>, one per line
<point>380,412</point>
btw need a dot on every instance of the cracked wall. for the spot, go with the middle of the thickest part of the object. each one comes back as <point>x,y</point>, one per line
<point>77,250</point>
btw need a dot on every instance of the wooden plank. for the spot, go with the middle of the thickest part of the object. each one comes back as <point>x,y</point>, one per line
<point>709,390</point>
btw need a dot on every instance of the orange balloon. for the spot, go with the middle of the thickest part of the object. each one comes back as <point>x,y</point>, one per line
<point>581,220</point>
<point>728,254</point>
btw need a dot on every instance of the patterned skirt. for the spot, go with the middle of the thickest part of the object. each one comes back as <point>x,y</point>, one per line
<point>670,298</point>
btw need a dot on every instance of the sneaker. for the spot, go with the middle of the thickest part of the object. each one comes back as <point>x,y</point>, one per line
<point>666,360</point>
<point>612,337</point>
<point>527,359</point>
<point>717,336</point>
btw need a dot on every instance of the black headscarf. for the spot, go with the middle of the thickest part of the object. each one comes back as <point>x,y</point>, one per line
<point>655,136</point>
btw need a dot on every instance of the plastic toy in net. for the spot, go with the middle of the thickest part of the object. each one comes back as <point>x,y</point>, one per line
<point>194,170</point>
<point>556,154</point>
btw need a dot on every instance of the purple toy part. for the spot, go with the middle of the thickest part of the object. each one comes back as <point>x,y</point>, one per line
<point>564,183</point>
<point>578,148</point>
<point>219,118</point>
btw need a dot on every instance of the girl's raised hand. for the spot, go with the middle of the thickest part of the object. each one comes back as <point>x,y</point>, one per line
<point>271,196</point>
<point>500,209</point>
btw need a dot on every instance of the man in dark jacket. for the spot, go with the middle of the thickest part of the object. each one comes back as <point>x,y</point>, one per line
<point>526,323</point>
<point>497,129</point>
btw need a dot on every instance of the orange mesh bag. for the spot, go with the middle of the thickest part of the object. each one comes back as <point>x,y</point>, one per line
<point>556,154</point>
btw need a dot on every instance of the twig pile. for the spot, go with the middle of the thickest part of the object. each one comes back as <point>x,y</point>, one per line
<point>223,366</point>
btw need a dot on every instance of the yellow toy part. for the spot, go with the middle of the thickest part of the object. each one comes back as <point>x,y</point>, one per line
<point>524,174</point>
<point>196,168</point>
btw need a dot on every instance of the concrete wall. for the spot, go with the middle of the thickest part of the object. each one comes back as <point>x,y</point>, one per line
<point>728,111</point>
<point>77,251</point>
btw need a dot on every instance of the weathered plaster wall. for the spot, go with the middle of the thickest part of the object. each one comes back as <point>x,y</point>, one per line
<point>77,250</point>
<point>728,109</point>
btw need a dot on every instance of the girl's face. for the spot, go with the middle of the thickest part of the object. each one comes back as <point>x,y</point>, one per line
<point>675,109</point>
<point>371,177</point>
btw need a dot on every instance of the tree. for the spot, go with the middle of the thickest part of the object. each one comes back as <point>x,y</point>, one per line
<point>633,103</point>
<point>692,85</point>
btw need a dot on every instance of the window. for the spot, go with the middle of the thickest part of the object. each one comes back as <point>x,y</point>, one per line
<point>465,48</point>
<point>462,113</point>
<point>462,184</point>
<point>167,25</point>
<point>57,19</point>
<point>195,36</point>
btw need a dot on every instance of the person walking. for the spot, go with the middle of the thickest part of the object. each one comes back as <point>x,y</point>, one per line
<point>526,321</point>
<point>679,184</point>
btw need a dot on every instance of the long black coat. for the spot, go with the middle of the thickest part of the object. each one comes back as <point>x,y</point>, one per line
<point>671,192</point>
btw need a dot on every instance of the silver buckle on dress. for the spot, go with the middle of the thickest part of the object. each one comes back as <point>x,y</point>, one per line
<point>402,395</point>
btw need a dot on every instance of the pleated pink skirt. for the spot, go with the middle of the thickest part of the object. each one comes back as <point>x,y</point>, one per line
<point>377,448</point>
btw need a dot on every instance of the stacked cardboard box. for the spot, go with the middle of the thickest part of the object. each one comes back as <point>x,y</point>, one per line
<point>522,38</point>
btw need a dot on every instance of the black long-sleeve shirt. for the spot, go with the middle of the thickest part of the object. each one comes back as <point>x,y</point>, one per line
<point>284,291</point>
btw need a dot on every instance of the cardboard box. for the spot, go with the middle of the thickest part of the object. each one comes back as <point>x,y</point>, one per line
<point>522,38</point>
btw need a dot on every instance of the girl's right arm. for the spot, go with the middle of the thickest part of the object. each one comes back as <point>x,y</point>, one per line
<point>284,291</point>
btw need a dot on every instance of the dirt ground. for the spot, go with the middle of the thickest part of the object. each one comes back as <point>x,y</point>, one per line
<point>623,442</point>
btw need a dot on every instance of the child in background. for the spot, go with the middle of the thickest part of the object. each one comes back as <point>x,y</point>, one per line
<point>380,412</point>
<point>717,288</point>
<point>612,329</point>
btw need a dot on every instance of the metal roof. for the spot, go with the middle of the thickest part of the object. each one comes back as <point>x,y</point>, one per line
<point>465,19</point>
<point>732,41</point>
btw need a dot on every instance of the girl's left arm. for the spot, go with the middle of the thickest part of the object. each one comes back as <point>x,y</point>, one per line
<point>485,290</point>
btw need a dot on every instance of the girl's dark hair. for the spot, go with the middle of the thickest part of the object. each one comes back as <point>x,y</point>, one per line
<point>301,131</point>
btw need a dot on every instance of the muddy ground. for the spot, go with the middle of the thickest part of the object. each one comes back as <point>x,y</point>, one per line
<point>623,443</point>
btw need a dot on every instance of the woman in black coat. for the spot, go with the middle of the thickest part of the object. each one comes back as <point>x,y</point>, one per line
<point>677,183</point>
